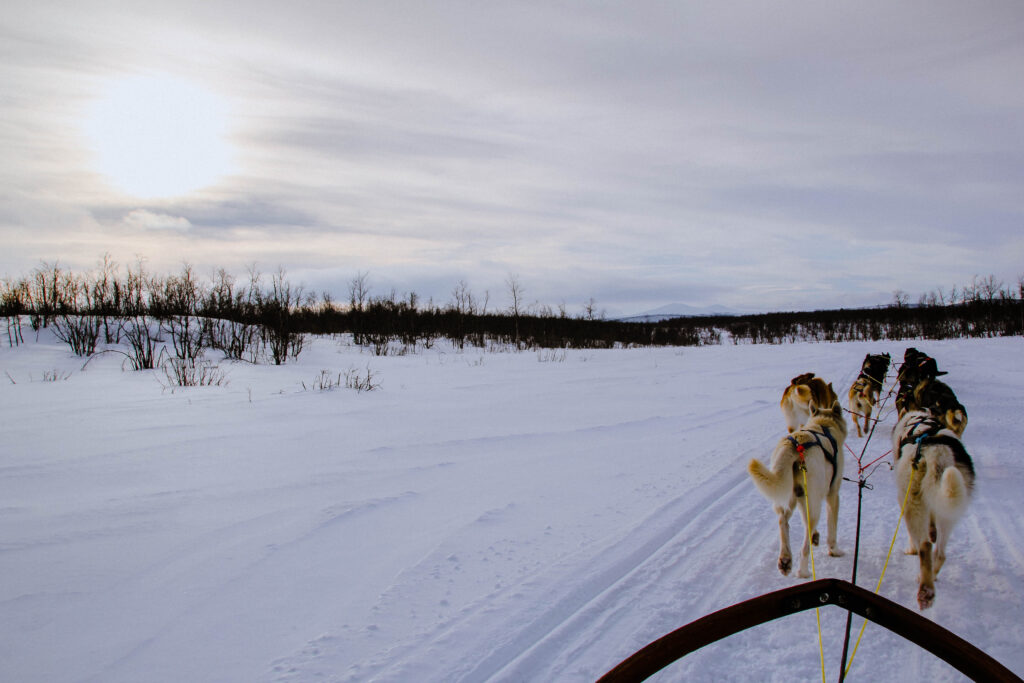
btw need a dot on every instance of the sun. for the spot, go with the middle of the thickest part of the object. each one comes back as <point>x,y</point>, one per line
<point>159,136</point>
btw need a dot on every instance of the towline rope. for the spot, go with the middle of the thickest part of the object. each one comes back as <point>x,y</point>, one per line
<point>862,483</point>
<point>810,546</point>
<point>878,587</point>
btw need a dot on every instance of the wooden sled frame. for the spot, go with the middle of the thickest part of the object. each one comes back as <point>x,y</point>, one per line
<point>926,634</point>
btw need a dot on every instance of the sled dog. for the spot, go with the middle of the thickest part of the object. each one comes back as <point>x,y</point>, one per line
<point>936,477</point>
<point>804,391</point>
<point>865,389</point>
<point>917,367</point>
<point>815,450</point>
<point>938,399</point>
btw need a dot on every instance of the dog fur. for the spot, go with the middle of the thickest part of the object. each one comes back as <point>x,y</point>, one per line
<point>938,399</point>
<point>940,476</point>
<point>804,391</point>
<point>917,367</point>
<point>919,389</point>
<point>782,482</point>
<point>864,392</point>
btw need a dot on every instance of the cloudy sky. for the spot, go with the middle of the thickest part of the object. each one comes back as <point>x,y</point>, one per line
<point>756,155</point>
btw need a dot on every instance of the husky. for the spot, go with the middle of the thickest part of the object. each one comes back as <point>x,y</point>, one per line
<point>937,398</point>
<point>807,463</point>
<point>935,475</point>
<point>804,391</point>
<point>917,367</point>
<point>865,389</point>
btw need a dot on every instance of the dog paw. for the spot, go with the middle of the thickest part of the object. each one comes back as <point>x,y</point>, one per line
<point>804,574</point>
<point>835,552</point>
<point>814,538</point>
<point>925,596</point>
<point>785,565</point>
<point>910,551</point>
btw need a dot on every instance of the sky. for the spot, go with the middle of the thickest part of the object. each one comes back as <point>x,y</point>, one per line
<point>758,156</point>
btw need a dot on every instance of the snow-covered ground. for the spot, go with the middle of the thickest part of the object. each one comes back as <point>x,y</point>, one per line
<point>481,516</point>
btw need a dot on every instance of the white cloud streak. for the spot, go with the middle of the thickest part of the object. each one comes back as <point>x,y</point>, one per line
<point>638,153</point>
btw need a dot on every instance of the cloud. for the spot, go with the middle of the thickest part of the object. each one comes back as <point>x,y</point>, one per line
<point>143,219</point>
<point>694,152</point>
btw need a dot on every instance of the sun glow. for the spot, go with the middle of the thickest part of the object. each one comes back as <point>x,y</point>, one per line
<point>157,136</point>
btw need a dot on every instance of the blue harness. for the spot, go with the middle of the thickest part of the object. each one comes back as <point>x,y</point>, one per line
<point>929,427</point>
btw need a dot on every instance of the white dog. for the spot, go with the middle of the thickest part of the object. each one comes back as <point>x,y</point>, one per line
<point>936,477</point>
<point>817,447</point>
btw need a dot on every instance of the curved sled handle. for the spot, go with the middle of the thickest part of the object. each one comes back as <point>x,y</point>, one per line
<point>926,634</point>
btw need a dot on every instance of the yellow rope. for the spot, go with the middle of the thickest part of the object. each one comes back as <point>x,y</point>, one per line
<point>903,508</point>
<point>814,573</point>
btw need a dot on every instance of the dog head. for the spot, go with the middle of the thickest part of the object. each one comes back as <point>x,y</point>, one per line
<point>801,379</point>
<point>830,412</point>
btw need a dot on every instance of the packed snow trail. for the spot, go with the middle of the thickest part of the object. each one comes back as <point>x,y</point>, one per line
<point>483,516</point>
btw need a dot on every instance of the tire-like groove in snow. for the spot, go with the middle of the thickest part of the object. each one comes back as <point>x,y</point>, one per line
<point>633,551</point>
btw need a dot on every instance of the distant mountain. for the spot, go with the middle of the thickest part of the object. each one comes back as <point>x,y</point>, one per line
<point>678,310</point>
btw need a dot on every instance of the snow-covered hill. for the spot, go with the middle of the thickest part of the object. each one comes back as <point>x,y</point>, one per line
<point>678,310</point>
<point>481,516</point>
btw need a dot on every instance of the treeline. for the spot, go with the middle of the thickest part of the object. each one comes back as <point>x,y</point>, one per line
<point>171,320</point>
<point>260,317</point>
<point>984,308</point>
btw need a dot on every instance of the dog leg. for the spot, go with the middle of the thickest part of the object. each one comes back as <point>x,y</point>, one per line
<point>941,537</point>
<point>926,584</point>
<point>785,554</point>
<point>810,526</point>
<point>917,526</point>
<point>833,523</point>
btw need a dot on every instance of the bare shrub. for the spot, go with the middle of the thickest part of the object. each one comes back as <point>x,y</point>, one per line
<point>360,382</point>
<point>56,375</point>
<point>325,381</point>
<point>181,296</point>
<point>193,372</point>
<point>74,317</point>
<point>79,332</point>
<point>275,307</point>
<point>142,336</point>
<point>14,300</point>
<point>551,356</point>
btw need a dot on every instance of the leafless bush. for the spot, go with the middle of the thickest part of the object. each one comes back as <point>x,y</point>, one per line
<point>180,298</point>
<point>551,355</point>
<point>193,372</point>
<point>74,316</point>
<point>14,300</point>
<point>275,308</point>
<point>237,340</point>
<point>56,375</point>
<point>142,335</point>
<point>360,382</point>
<point>325,381</point>
<point>79,332</point>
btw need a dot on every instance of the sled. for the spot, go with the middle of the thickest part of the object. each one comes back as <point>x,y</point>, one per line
<point>942,643</point>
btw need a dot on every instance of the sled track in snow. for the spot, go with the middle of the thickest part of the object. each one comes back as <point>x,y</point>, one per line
<point>538,641</point>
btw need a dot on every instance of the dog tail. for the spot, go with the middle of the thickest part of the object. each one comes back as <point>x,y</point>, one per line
<point>954,493</point>
<point>775,483</point>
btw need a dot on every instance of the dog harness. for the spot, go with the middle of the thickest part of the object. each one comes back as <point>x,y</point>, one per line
<point>830,457</point>
<point>920,430</point>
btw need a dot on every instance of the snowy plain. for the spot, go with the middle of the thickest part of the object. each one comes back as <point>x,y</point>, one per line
<point>505,516</point>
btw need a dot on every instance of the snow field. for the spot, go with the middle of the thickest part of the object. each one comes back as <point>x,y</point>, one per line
<point>481,516</point>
